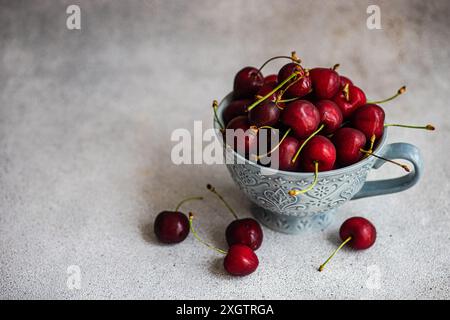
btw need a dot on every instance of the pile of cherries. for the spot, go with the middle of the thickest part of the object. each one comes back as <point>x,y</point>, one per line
<point>324,119</point>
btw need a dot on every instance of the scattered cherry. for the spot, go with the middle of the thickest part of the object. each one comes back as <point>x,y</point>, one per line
<point>358,232</point>
<point>245,231</point>
<point>172,226</point>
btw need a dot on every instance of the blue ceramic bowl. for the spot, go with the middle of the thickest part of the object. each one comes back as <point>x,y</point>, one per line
<point>268,188</point>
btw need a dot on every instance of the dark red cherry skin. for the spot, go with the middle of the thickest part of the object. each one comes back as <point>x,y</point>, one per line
<point>240,260</point>
<point>246,231</point>
<point>247,82</point>
<point>325,82</point>
<point>357,98</point>
<point>302,116</point>
<point>286,152</point>
<point>271,79</point>
<point>171,226</point>
<point>330,115</point>
<point>369,119</point>
<point>348,143</point>
<point>320,149</point>
<point>250,136</point>
<point>343,81</point>
<point>234,109</point>
<point>301,87</point>
<point>265,114</point>
<point>361,230</point>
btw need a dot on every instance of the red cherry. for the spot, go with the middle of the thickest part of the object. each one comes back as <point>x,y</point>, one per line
<point>318,149</point>
<point>361,231</point>
<point>302,116</point>
<point>298,87</point>
<point>245,140</point>
<point>241,231</point>
<point>358,232</point>
<point>356,98</point>
<point>234,109</point>
<point>266,114</point>
<point>246,231</point>
<point>348,143</point>
<point>330,115</point>
<point>240,260</point>
<point>271,79</point>
<point>369,119</point>
<point>171,226</point>
<point>325,82</point>
<point>286,152</point>
<point>343,81</point>
<point>247,82</point>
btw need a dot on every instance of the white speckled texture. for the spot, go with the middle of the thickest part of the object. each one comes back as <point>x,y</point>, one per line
<point>85,124</point>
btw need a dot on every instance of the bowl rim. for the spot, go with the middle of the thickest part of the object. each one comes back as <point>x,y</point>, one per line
<point>243,160</point>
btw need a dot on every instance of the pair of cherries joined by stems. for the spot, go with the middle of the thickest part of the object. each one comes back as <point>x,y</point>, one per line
<point>244,236</point>
<point>326,120</point>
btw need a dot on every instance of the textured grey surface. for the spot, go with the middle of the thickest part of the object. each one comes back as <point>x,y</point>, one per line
<point>85,124</point>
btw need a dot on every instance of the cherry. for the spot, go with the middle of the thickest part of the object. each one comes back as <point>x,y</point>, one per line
<point>302,116</point>
<point>248,134</point>
<point>245,231</point>
<point>286,153</point>
<point>247,82</point>
<point>358,232</point>
<point>325,82</point>
<point>349,99</point>
<point>267,114</point>
<point>271,80</point>
<point>298,87</point>
<point>172,226</point>
<point>330,115</point>
<point>344,81</point>
<point>234,109</point>
<point>240,260</point>
<point>369,119</point>
<point>318,150</point>
<point>348,143</point>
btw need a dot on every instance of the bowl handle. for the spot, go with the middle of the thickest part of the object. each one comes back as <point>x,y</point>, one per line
<point>394,151</point>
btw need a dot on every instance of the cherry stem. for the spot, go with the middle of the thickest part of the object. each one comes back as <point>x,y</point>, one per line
<point>334,252</point>
<point>186,200</point>
<point>427,127</point>
<point>293,58</point>
<point>404,166</point>
<point>213,190</point>
<point>277,146</point>
<point>336,66</point>
<point>372,142</point>
<point>316,175</point>
<point>289,100</point>
<point>399,92</point>
<point>191,225</point>
<point>346,92</point>
<point>306,141</point>
<point>254,104</point>
<point>215,105</point>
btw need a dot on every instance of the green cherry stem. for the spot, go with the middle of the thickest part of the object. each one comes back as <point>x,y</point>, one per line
<point>276,147</point>
<point>213,190</point>
<point>186,200</point>
<point>215,105</point>
<point>294,192</point>
<point>370,153</point>
<point>399,92</point>
<point>254,104</point>
<point>191,226</point>
<point>306,141</point>
<point>293,57</point>
<point>427,127</point>
<point>334,252</point>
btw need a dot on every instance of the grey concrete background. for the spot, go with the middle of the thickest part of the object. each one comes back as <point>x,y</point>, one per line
<point>85,124</point>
